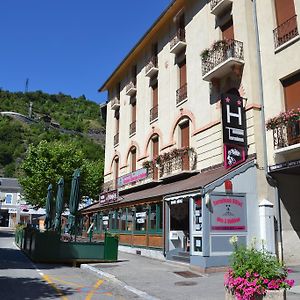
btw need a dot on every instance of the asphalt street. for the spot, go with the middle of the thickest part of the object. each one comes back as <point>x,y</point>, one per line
<point>20,279</point>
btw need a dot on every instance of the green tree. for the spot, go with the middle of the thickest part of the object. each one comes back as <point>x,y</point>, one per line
<point>48,161</point>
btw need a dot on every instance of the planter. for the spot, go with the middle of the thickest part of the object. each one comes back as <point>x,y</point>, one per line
<point>270,295</point>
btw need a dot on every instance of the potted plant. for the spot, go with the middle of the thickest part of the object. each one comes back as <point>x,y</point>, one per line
<point>205,54</point>
<point>255,274</point>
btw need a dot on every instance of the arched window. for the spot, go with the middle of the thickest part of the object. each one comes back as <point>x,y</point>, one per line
<point>155,153</point>
<point>133,159</point>
<point>116,171</point>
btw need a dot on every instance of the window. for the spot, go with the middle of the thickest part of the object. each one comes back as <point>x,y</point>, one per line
<point>181,93</point>
<point>155,153</point>
<point>286,22</point>
<point>116,171</point>
<point>141,218</point>
<point>291,88</point>
<point>155,217</point>
<point>132,128</point>
<point>129,224</point>
<point>227,30</point>
<point>123,219</point>
<point>154,109</point>
<point>133,159</point>
<point>8,198</point>
<point>185,143</point>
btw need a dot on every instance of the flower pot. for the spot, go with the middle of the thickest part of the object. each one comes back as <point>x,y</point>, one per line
<point>270,295</point>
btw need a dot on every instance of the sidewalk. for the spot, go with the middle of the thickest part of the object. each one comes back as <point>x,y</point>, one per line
<point>154,279</point>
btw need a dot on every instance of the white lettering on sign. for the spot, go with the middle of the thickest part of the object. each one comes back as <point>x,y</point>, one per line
<point>234,115</point>
<point>140,214</point>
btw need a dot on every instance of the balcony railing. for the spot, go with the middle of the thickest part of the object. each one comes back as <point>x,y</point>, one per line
<point>176,161</point>
<point>285,135</point>
<point>153,113</point>
<point>222,52</point>
<point>116,139</point>
<point>115,103</point>
<point>181,94</point>
<point>218,6</point>
<point>131,88</point>
<point>285,32</point>
<point>178,42</point>
<point>152,66</point>
<point>132,128</point>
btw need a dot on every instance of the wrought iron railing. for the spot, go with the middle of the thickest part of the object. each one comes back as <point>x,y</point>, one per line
<point>285,32</point>
<point>116,139</point>
<point>178,160</point>
<point>286,135</point>
<point>181,94</point>
<point>132,128</point>
<point>179,37</point>
<point>130,85</point>
<point>220,52</point>
<point>115,101</point>
<point>214,3</point>
<point>152,63</point>
<point>153,113</point>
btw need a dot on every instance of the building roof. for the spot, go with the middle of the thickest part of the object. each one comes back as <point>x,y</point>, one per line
<point>202,182</point>
<point>10,184</point>
<point>168,13</point>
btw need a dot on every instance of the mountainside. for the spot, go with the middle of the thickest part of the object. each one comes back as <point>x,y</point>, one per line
<point>28,118</point>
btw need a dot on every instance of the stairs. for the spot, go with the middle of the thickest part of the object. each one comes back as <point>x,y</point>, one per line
<point>182,257</point>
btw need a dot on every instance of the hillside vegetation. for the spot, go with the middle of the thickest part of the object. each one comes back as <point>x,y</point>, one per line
<point>78,115</point>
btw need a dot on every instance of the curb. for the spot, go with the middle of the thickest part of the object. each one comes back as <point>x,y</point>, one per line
<point>114,279</point>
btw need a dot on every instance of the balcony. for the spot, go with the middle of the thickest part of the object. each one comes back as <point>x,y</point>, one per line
<point>176,163</point>
<point>222,58</point>
<point>288,31</point>
<point>115,103</point>
<point>181,94</point>
<point>178,43</point>
<point>152,67</point>
<point>153,113</point>
<point>116,139</point>
<point>131,88</point>
<point>132,128</point>
<point>217,7</point>
<point>286,131</point>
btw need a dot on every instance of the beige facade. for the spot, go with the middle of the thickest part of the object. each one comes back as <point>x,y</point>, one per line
<point>208,75</point>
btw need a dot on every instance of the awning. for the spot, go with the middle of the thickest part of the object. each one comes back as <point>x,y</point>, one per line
<point>202,183</point>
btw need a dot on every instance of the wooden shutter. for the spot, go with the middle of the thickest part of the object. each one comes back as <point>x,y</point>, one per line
<point>185,143</point>
<point>133,111</point>
<point>117,115</point>
<point>291,88</point>
<point>155,95</point>
<point>116,172</point>
<point>182,73</point>
<point>155,152</point>
<point>228,31</point>
<point>133,160</point>
<point>285,9</point>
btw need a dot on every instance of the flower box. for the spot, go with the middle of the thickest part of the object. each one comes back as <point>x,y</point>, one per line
<point>270,295</point>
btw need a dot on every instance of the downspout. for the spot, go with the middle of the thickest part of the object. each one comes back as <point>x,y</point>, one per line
<point>263,121</point>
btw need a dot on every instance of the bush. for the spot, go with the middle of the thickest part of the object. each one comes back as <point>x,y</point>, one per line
<point>253,272</point>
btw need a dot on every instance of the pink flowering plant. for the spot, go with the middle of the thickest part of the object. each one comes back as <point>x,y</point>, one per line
<point>253,272</point>
<point>284,118</point>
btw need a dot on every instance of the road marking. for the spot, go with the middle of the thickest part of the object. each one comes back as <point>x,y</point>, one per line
<point>59,292</point>
<point>66,282</point>
<point>95,287</point>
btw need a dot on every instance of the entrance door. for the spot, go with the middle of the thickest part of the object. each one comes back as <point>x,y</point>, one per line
<point>179,225</point>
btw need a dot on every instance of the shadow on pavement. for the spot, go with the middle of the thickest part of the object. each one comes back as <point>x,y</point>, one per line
<point>30,289</point>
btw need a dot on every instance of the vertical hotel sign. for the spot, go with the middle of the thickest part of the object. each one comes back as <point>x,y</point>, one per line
<point>234,130</point>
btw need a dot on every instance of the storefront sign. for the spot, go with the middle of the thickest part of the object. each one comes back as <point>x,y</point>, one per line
<point>229,213</point>
<point>12,211</point>
<point>140,214</point>
<point>108,197</point>
<point>132,177</point>
<point>234,130</point>
<point>140,221</point>
<point>285,165</point>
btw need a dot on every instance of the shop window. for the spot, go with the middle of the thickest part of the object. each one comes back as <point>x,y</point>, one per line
<point>129,224</point>
<point>114,220</point>
<point>123,218</point>
<point>105,222</point>
<point>8,198</point>
<point>153,212</point>
<point>141,218</point>
<point>159,216</point>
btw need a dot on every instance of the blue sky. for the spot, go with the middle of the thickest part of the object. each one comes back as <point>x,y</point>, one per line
<point>69,46</point>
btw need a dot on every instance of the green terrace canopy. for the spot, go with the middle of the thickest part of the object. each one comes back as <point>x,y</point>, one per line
<point>59,204</point>
<point>48,221</point>
<point>74,201</point>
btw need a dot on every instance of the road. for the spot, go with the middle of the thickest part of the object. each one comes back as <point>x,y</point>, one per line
<point>20,279</point>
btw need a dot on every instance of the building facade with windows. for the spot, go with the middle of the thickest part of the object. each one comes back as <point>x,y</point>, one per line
<point>185,161</point>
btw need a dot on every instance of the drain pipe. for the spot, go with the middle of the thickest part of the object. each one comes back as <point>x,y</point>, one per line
<point>263,130</point>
